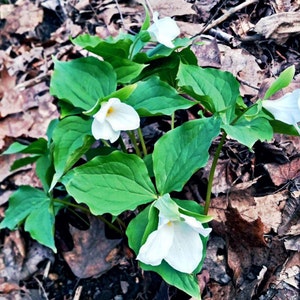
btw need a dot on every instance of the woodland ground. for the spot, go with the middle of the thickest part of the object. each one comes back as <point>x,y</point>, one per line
<point>253,252</point>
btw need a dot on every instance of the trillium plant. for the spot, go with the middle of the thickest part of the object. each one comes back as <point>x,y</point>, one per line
<point>99,156</point>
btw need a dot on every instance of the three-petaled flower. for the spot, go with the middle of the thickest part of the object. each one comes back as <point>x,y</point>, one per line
<point>113,117</point>
<point>285,109</point>
<point>164,30</point>
<point>176,240</point>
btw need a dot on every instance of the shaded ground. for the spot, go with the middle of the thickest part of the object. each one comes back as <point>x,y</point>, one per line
<point>253,252</point>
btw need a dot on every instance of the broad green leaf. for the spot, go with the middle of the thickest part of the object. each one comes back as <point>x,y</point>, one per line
<point>37,147</point>
<point>251,126</point>
<point>21,162</point>
<point>72,138</point>
<point>181,152</point>
<point>284,79</point>
<point>155,97</point>
<point>111,184</point>
<point>33,207</point>
<point>217,90</point>
<point>118,47</point>
<point>125,69</point>
<point>160,51</point>
<point>45,170</point>
<point>114,52</point>
<point>81,82</point>
<point>280,127</point>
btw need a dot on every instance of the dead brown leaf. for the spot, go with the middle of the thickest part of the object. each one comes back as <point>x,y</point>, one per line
<point>24,17</point>
<point>91,249</point>
<point>169,8</point>
<point>279,27</point>
<point>281,174</point>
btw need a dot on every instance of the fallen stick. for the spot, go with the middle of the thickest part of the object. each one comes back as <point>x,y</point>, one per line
<point>227,14</point>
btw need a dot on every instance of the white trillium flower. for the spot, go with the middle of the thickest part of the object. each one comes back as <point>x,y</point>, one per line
<point>177,241</point>
<point>164,30</point>
<point>285,109</point>
<point>113,117</point>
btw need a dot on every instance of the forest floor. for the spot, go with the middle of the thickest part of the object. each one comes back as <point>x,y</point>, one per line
<point>254,249</point>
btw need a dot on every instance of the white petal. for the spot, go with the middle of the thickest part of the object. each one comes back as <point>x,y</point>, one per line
<point>285,109</point>
<point>157,245</point>
<point>196,225</point>
<point>185,253</point>
<point>123,117</point>
<point>105,106</point>
<point>164,30</point>
<point>104,131</point>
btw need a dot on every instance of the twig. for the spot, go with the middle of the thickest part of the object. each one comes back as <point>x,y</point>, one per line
<point>228,13</point>
<point>149,6</point>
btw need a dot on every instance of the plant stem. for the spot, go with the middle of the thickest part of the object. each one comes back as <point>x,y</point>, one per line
<point>105,143</point>
<point>173,120</point>
<point>121,142</point>
<point>212,173</point>
<point>142,141</point>
<point>134,142</point>
<point>67,203</point>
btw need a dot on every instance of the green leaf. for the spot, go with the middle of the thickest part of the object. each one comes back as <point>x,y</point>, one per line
<point>45,170</point>
<point>125,69</point>
<point>155,97</point>
<point>181,152</point>
<point>115,52</point>
<point>72,138</point>
<point>118,47</point>
<point>283,128</point>
<point>284,79</point>
<point>185,282</point>
<point>160,51</point>
<point>251,126</point>
<point>37,147</point>
<point>81,82</point>
<point>21,162</point>
<point>218,91</point>
<point>34,207</point>
<point>111,184</point>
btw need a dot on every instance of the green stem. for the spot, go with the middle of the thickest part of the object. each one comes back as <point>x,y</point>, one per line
<point>134,142</point>
<point>67,203</point>
<point>123,147</point>
<point>105,143</point>
<point>142,141</point>
<point>212,173</point>
<point>173,120</point>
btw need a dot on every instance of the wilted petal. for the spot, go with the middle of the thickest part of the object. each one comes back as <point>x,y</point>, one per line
<point>185,252</point>
<point>286,109</point>
<point>196,225</point>
<point>123,117</point>
<point>104,131</point>
<point>157,245</point>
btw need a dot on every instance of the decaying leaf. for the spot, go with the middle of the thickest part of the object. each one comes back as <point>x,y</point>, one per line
<point>279,27</point>
<point>23,18</point>
<point>91,248</point>
<point>281,174</point>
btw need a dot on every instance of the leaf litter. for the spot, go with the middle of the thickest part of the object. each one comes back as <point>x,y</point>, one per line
<point>254,249</point>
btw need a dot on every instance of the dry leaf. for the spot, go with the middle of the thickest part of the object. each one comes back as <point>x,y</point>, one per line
<point>281,174</point>
<point>91,247</point>
<point>279,27</point>
<point>23,18</point>
<point>170,8</point>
